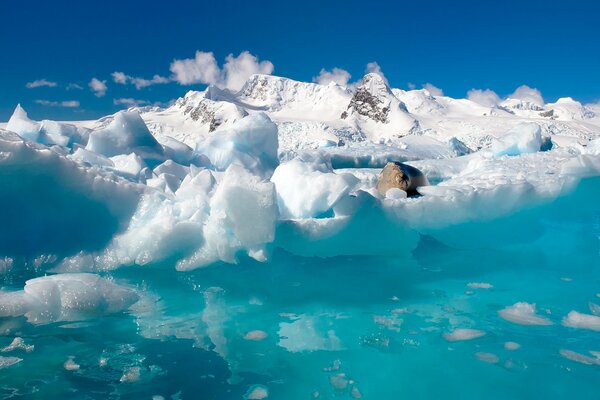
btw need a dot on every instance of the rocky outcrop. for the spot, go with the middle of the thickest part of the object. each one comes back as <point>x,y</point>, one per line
<point>371,99</point>
<point>401,176</point>
<point>210,112</point>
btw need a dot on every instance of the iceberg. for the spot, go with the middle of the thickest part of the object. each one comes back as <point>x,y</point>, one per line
<point>66,297</point>
<point>126,133</point>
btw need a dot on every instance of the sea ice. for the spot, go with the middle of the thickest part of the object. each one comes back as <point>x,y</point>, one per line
<point>512,346</point>
<point>6,362</point>
<point>66,297</point>
<point>480,285</point>
<point>461,334</point>
<point>578,320</point>
<point>309,189</point>
<point>489,358</point>
<point>18,344</point>
<point>257,392</point>
<point>524,138</point>
<point>251,143</point>
<point>523,314</point>
<point>256,335</point>
<point>580,358</point>
<point>126,133</point>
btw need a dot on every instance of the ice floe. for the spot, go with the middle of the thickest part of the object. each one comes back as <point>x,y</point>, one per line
<point>579,320</point>
<point>523,313</point>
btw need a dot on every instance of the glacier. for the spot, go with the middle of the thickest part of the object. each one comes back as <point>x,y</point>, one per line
<point>235,245</point>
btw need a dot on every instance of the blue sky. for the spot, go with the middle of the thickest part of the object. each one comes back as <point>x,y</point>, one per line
<point>455,45</point>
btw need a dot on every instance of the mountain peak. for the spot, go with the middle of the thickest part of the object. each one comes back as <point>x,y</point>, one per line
<point>375,84</point>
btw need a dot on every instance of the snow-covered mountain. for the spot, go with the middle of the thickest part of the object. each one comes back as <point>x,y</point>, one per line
<point>311,116</point>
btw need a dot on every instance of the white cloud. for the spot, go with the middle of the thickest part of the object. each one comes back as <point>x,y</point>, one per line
<point>39,83</point>
<point>67,103</point>
<point>74,86</point>
<point>129,102</point>
<point>336,75</point>
<point>434,90</point>
<point>237,70</point>
<point>120,77</point>
<point>374,68</point>
<point>411,86</point>
<point>526,93</point>
<point>203,68</point>
<point>139,83</point>
<point>98,87</point>
<point>487,97</point>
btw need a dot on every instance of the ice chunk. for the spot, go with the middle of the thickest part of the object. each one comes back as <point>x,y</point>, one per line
<point>126,133</point>
<point>489,358</point>
<point>512,346</point>
<point>480,285</point>
<point>580,358</point>
<point>171,167</point>
<point>84,156</point>
<point>395,194</point>
<point>67,297</point>
<point>594,308</point>
<point>6,362</point>
<point>307,333</point>
<point>129,166</point>
<point>256,335</point>
<point>181,153</point>
<point>66,135</point>
<point>524,138</point>
<point>20,124</point>
<point>45,132</point>
<point>463,334</point>
<point>578,320</point>
<point>164,226</point>
<point>18,344</point>
<point>243,213</point>
<point>70,364</point>
<point>309,189</point>
<point>257,392</point>
<point>251,142</point>
<point>131,375</point>
<point>56,206</point>
<point>523,314</point>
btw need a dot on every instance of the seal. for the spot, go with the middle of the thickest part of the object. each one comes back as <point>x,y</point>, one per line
<point>398,175</point>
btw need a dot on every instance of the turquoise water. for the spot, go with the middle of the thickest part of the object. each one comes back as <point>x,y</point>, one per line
<point>378,321</point>
<point>336,328</point>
